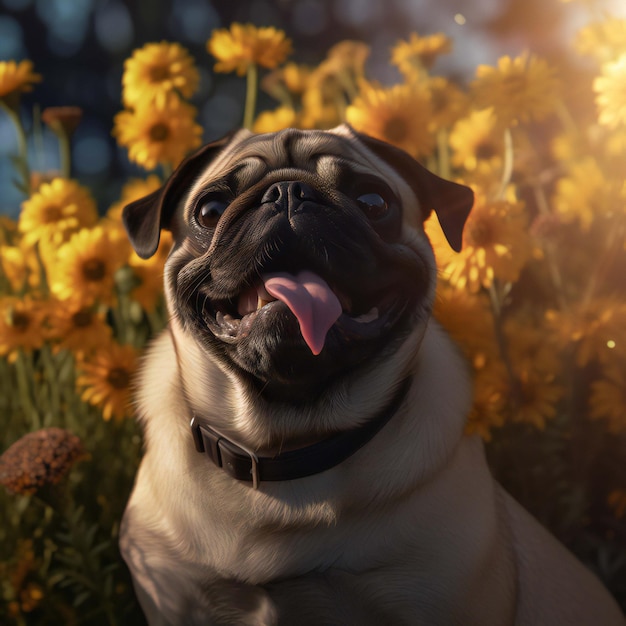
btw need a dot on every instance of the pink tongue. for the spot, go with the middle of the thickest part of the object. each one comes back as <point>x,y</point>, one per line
<point>310,300</point>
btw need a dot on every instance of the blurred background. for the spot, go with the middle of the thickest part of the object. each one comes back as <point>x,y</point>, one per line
<point>79,46</point>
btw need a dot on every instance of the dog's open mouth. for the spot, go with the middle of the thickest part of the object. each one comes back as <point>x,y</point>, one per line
<point>317,305</point>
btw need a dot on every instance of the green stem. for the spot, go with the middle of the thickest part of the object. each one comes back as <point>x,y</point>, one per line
<point>65,154</point>
<point>553,267</point>
<point>23,386</point>
<point>251,94</point>
<point>22,147</point>
<point>507,169</point>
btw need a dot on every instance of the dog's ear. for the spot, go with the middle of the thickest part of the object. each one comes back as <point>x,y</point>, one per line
<point>144,218</point>
<point>451,202</point>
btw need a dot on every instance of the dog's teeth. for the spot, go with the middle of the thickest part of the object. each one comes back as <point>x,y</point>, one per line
<point>261,302</point>
<point>368,317</point>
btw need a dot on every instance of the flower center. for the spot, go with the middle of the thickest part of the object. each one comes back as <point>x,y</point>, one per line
<point>395,129</point>
<point>118,378</point>
<point>19,320</point>
<point>82,318</point>
<point>479,233</point>
<point>514,84</point>
<point>159,132</point>
<point>94,270</point>
<point>159,73</point>
<point>486,150</point>
<point>52,213</point>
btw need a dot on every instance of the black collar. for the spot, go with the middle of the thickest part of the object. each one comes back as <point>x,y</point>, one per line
<point>243,464</point>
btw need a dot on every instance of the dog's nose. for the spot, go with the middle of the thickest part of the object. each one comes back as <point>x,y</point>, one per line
<point>288,195</point>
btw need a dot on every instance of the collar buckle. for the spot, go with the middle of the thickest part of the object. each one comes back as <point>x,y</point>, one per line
<point>223,452</point>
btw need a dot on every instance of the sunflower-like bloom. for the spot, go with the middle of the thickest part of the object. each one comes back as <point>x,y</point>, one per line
<point>491,397</point>
<point>477,139</point>
<point>149,274</point>
<point>39,458</point>
<point>22,325</point>
<point>594,328</point>
<point>587,193</point>
<point>495,244</point>
<point>157,70</point>
<point>106,380</point>
<point>400,115</point>
<point>419,53</point>
<point>134,189</point>
<point>608,397</point>
<point>56,211</point>
<point>287,82</point>
<point>16,78</point>
<point>85,266</point>
<point>243,45</point>
<point>21,266</point>
<point>158,136</point>
<point>272,121</point>
<point>520,90</point>
<point>449,103</point>
<point>468,320</point>
<point>604,41</point>
<point>611,90</point>
<point>78,328</point>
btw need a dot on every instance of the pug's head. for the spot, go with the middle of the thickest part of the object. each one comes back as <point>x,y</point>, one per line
<point>299,256</point>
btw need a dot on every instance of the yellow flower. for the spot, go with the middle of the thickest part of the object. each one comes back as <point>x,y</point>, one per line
<point>521,89</point>
<point>419,53</point>
<point>56,211</point>
<point>285,82</point>
<point>449,103</point>
<point>611,90</point>
<point>16,78</point>
<point>533,348</point>
<point>333,84</point>
<point>399,115</point>
<point>78,328</point>
<point>107,378</point>
<point>272,121</point>
<point>21,266</point>
<point>595,328</point>
<point>477,139</point>
<point>608,397</point>
<point>134,189</point>
<point>149,272</point>
<point>243,45</point>
<point>468,319</point>
<point>538,397</point>
<point>495,244</point>
<point>157,70</point>
<point>491,397</point>
<point>586,194</point>
<point>85,267</point>
<point>158,136</point>
<point>604,41</point>
<point>21,325</point>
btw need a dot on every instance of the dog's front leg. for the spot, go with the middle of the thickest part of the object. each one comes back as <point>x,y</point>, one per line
<point>214,603</point>
<point>173,591</point>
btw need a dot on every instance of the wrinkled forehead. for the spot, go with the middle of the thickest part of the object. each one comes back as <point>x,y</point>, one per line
<point>327,154</point>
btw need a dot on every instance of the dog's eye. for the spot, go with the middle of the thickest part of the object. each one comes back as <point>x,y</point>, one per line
<point>210,212</point>
<point>373,205</point>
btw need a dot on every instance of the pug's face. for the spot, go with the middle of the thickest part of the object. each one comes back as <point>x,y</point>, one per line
<point>299,256</point>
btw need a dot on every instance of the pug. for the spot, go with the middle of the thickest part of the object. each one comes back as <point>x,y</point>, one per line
<point>305,457</point>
